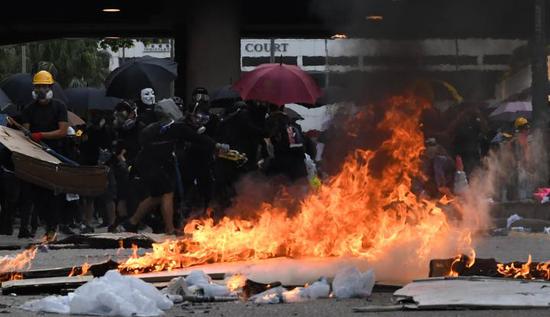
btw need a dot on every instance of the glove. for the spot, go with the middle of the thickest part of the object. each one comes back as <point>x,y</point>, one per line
<point>37,136</point>
<point>223,147</point>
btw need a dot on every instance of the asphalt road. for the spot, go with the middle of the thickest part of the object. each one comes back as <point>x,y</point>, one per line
<point>516,246</point>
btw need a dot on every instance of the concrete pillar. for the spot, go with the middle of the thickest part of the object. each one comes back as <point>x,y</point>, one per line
<point>207,46</point>
<point>539,64</point>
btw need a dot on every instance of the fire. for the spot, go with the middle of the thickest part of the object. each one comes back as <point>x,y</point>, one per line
<point>235,282</point>
<point>80,271</point>
<point>355,213</point>
<point>18,262</point>
<point>524,271</point>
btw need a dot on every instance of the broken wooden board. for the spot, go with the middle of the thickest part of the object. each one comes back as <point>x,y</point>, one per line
<point>110,240</point>
<point>44,285</point>
<point>475,292</point>
<point>17,142</point>
<point>96,270</point>
<point>481,267</point>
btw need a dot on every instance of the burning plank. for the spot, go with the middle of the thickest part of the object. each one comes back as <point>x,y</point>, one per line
<point>460,266</point>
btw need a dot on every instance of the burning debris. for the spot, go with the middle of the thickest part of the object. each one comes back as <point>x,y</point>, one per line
<point>463,265</point>
<point>11,265</point>
<point>367,211</point>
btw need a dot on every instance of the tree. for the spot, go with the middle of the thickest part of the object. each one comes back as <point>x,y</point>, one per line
<point>78,62</point>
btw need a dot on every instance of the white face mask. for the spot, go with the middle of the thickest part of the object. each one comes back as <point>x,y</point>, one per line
<point>42,94</point>
<point>148,96</point>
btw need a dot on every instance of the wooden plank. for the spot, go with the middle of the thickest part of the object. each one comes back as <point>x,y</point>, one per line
<point>16,141</point>
<point>42,285</point>
<point>111,240</point>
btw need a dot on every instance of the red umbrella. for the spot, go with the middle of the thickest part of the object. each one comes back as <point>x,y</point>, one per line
<point>279,84</point>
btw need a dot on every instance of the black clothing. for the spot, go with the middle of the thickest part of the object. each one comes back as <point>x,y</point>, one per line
<point>129,140</point>
<point>146,113</point>
<point>155,162</point>
<point>46,118</point>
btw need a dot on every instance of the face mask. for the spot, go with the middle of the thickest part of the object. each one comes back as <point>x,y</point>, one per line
<point>148,96</point>
<point>42,94</point>
<point>123,120</point>
<point>201,97</point>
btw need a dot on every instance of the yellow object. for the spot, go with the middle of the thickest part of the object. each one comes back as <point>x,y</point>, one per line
<point>43,77</point>
<point>79,133</point>
<point>234,155</point>
<point>315,182</point>
<point>520,122</point>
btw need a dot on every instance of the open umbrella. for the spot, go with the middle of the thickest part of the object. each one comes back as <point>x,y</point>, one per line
<point>74,120</point>
<point>19,88</point>
<point>87,98</point>
<point>130,78</point>
<point>6,105</point>
<point>509,111</point>
<point>224,96</point>
<point>278,84</point>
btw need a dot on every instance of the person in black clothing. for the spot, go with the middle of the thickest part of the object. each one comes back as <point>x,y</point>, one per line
<point>156,167</point>
<point>128,129</point>
<point>288,145</point>
<point>46,118</point>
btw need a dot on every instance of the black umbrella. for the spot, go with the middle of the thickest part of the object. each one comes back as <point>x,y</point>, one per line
<point>130,78</point>
<point>87,98</point>
<point>19,88</point>
<point>6,105</point>
<point>225,96</point>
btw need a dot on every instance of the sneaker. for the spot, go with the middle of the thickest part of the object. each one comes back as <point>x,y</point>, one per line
<point>86,229</point>
<point>112,228</point>
<point>126,226</point>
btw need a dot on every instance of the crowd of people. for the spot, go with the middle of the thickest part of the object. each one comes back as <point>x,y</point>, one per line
<point>168,161</point>
<point>181,160</point>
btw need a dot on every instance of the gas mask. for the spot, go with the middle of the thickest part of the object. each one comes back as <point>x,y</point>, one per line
<point>148,96</point>
<point>124,121</point>
<point>42,93</point>
<point>199,97</point>
<point>201,118</point>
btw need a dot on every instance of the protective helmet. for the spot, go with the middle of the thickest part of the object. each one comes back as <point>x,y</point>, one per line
<point>520,122</point>
<point>43,77</point>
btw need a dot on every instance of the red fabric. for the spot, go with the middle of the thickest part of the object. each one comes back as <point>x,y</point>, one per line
<point>37,136</point>
<point>279,84</point>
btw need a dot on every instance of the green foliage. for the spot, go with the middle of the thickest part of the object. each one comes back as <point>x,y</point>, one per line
<point>116,44</point>
<point>74,61</point>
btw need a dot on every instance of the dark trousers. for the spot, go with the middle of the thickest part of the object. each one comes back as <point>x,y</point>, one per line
<point>47,206</point>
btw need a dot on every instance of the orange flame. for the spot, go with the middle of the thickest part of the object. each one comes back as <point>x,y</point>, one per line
<point>518,272</point>
<point>236,282</point>
<point>355,213</point>
<point>18,262</point>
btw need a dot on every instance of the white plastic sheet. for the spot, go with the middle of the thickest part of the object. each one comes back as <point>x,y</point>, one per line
<point>319,289</point>
<point>350,282</point>
<point>110,295</point>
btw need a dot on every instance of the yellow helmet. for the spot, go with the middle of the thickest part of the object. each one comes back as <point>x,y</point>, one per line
<point>520,122</point>
<point>43,77</point>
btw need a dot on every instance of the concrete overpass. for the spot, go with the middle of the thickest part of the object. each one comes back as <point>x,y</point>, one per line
<point>208,32</point>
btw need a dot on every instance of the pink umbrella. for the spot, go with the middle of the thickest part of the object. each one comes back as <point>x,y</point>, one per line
<point>279,84</point>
